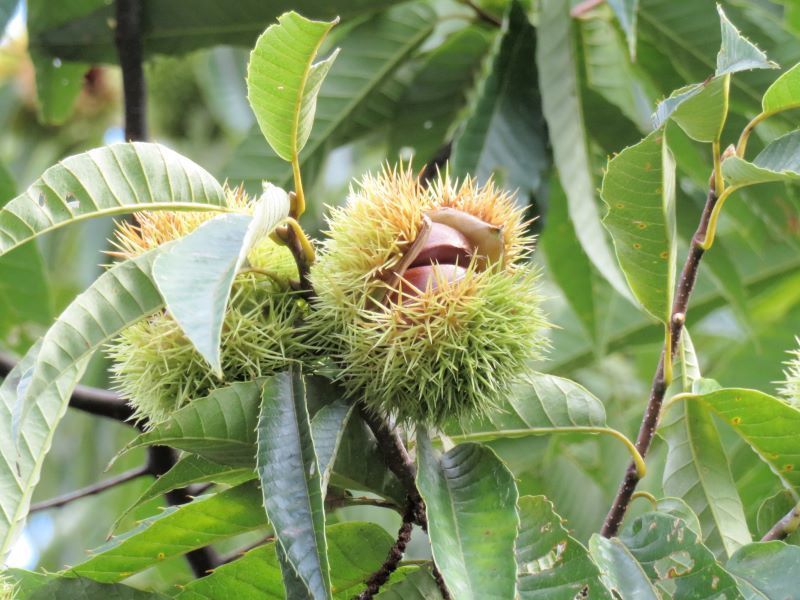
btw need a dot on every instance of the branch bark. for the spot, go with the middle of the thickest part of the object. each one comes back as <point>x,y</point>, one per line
<point>389,566</point>
<point>128,39</point>
<point>647,429</point>
<point>785,527</point>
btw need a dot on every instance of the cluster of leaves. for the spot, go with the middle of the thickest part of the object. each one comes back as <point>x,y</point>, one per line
<point>290,445</point>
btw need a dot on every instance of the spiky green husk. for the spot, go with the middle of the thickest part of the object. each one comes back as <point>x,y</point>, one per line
<point>7,589</point>
<point>158,369</point>
<point>790,390</point>
<point>452,352</point>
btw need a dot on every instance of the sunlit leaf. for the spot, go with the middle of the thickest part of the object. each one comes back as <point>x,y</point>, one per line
<point>559,86</point>
<point>112,180</point>
<point>283,81</point>
<point>737,53</point>
<point>176,531</point>
<point>471,500</point>
<point>779,161</point>
<point>639,190</point>
<point>784,93</point>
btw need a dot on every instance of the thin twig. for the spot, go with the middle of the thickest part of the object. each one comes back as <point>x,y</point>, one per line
<point>389,566</point>
<point>235,555</point>
<point>483,15</point>
<point>90,490</point>
<point>128,38</point>
<point>785,527</point>
<point>677,319</point>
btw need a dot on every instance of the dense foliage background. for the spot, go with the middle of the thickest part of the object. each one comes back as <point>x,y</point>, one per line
<point>541,101</point>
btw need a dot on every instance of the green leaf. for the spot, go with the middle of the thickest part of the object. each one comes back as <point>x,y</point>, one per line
<point>188,470</point>
<point>113,180</point>
<point>86,589</point>
<point>567,262</point>
<point>639,189</point>
<point>120,297</point>
<point>176,531</point>
<point>283,82</point>
<point>619,570</point>
<point>22,461</point>
<point>471,500</point>
<point>626,13</point>
<point>543,404</point>
<point>784,93</point>
<point>25,296</point>
<point>370,54</point>
<point>669,551</point>
<point>355,550</point>
<point>505,134</point>
<point>702,114</point>
<point>360,465</point>
<point>550,563</point>
<point>698,472</point>
<point>434,100</point>
<point>769,567</point>
<point>80,30</point>
<point>737,53</point>
<point>678,508</point>
<point>58,84</point>
<point>778,161</point>
<point>290,478</point>
<point>220,427</point>
<point>419,585</point>
<point>560,89</point>
<point>767,424</point>
<point>327,429</point>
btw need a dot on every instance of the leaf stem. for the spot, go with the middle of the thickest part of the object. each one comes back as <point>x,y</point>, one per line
<point>301,248</point>
<point>650,419</point>
<point>298,206</point>
<point>711,230</point>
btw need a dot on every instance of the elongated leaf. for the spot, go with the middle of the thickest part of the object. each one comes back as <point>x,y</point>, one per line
<point>702,115</point>
<point>619,570</point>
<point>769,567</point>
<point>567,262</point>
<point>505,133</point>
<point>176,531</point>
<point>767,424</point>
<point>434,99</point>
<point>698,472</point>
<point>419,585</point>
<point>327,430</point>
<point>188,470</point>
<point>669,551</point>
<point>784,93</point>
<point>291,481</point>
<point>113,180</point>
<point>283,82</point>
<point>121,296</point>
<point>85,589</point>
<point>360,465</point>
<point>737,53</point>
<point>626,13</point>
<point>778,161</point>
<point>471,501</point>
<point>220,427</point>
<point>639,189</point>
<point>79,30</point>
<point>558,84</point>
<point>21,462</point>
<point>551,563</point>
<point>370,54</point>
<point>543,404</point>
<point>355,549</point>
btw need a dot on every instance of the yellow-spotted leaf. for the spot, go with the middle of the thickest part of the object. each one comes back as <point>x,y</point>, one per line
<point>639,189</point>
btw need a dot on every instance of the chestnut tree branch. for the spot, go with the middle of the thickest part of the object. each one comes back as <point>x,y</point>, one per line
<point>90,490</point>
<point>389,566</point>
<point>128,39</point>
<point>785,527</point>
<point>659,386</point>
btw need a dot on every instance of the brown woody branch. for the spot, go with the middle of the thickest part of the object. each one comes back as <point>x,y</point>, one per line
<point>647,429</point>
<point>785,527</point>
